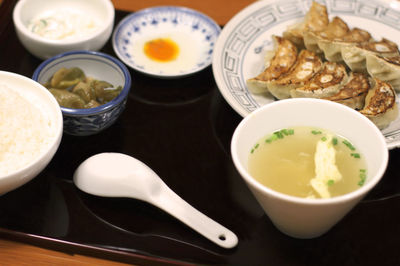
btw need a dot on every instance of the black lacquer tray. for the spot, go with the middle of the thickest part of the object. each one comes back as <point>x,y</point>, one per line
<point>182,129</point>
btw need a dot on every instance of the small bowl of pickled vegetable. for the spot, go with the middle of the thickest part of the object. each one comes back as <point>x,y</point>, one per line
<point>90,87</point>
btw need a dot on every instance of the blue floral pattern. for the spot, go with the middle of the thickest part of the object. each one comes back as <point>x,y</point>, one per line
<point>153,18</point>
<point>92,124</point>
<point>240,36</point>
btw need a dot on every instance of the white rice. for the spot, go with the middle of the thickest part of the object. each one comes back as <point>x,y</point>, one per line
<point>25,131</point>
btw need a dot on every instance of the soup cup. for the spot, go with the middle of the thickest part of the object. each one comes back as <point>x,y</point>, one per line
<point>304,217</point>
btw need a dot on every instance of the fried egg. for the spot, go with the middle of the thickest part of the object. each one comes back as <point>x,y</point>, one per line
<point>168,53</point>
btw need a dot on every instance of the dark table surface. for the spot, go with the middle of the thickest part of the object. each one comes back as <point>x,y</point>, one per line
<point>182,129</point>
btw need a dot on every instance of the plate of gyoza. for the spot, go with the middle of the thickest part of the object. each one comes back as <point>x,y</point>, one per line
<point>339,50</point>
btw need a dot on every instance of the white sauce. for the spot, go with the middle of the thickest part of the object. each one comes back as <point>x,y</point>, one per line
<point>63,24</point>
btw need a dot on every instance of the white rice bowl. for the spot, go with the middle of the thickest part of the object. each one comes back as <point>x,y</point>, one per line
<point>30,129</point>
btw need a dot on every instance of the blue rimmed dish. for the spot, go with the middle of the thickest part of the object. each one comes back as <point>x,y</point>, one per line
<point>241,47</point>
<point>194,33</point>
<point>84,122</point>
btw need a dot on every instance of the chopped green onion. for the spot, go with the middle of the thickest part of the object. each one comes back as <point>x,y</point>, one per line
<point>323,138</point>
<point>355,155</point>
<point>349,145</point>
<point>330,182</point>
<point>285,132</point>
<point>316,132</point>
<point>278,134</point>
<point>334,141</point>
<point>274,137</point>
<point>254,148</point>
<point>271,138</point>
<point>363,177</point>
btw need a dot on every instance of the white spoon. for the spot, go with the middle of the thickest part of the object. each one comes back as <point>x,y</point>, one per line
<point>120,175</point>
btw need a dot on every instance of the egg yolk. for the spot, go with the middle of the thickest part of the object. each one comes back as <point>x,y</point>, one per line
<point>162,50</point>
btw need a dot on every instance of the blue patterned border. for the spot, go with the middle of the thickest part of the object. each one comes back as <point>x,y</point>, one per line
<point>151,18</point>
<point>275,13</point>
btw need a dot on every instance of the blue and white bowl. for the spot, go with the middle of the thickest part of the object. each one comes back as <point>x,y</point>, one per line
<point>84,122</point>
<point>193,32</point>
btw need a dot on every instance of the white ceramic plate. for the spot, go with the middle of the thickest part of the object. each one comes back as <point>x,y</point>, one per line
<point>241,46</point>
<point>193,32</point>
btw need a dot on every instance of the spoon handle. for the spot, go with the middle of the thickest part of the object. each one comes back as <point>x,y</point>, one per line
<point>170,202</point>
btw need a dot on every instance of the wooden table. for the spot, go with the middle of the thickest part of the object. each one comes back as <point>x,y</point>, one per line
<point>219,10</point>
<point>19,253</point>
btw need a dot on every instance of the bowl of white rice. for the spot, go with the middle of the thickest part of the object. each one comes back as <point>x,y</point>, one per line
<point>31,127</point>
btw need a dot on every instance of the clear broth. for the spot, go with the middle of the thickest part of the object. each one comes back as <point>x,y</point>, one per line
<point>287,164</point>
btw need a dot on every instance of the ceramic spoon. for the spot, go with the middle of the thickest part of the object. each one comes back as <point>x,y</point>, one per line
<point>120,175</point>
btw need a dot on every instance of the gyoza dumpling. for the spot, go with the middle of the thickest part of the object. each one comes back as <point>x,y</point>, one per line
<point>353,92</point>
<point>354,56</point>
<point>337,28</point>
<point>324,84</point>
<point>306,66</point>
<point>380,104</point>
<point>285,55</point>
<point>332,48</point>
<point>385,68</point>
<point>316,19</point>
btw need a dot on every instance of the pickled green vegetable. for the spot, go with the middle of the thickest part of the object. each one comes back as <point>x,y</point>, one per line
<point>92,104</point>
<point>105,92</point>
<point>67,99</point>
<point>85,91</point>
<point>73,89</point>
<point>67,77</point>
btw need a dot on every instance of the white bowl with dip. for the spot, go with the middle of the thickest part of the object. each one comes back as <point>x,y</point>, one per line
<point>30,130</point>
<point>47,28</point>
<point>304,217</point>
